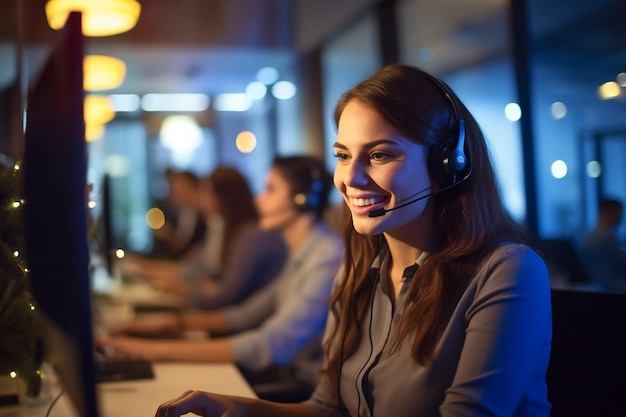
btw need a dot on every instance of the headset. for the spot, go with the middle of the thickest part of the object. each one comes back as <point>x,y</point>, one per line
<point>311,199</point>
<point>447,162</point>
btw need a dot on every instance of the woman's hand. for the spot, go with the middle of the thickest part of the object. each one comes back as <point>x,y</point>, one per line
<point>161,325</point>
<point>203,404</point>
<point>132,347</point>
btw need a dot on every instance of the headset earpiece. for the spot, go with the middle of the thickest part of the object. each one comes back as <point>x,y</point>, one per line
<point>447,161</point>
<point>310,200</point>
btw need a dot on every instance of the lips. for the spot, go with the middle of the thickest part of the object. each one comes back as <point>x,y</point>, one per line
<point>363,205</point>
<point>365,201</point>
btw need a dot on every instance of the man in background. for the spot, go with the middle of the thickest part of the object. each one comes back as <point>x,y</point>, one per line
<point>602,252</point>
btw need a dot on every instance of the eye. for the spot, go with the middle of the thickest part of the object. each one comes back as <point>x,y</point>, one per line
<point>378,156</point>
<point>342,156</point>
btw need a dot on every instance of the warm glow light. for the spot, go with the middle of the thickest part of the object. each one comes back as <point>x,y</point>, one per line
<point>103,72</point>
<point>119,253</point>
<point>245,142</point>
<point>93,131</point>
<point>98,109</point>
<point>155,218</point>
<point>100,17</point>
<point>609,90</point>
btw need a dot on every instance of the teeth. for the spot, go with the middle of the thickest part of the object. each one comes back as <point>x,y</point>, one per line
<point>361,202</point>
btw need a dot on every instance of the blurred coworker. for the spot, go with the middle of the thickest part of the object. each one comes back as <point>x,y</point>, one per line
<point>602,253</point>
<point>236,259</point>
<point>185,227</point>
<point>280,327</point>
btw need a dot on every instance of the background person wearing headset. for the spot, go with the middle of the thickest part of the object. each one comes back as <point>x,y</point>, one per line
<point>281,325</point>
<point>237,257</point>
<point>441,309</point>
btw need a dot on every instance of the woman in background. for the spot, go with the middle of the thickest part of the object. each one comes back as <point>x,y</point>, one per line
<point>441,309</point>
<point>279,328</point>
<point>236,259</point>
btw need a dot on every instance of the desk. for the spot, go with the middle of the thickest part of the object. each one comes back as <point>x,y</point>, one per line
<point>142,397</point>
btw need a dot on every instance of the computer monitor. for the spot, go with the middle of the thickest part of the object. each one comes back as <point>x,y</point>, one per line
<point>101,235</point>
<point>562,259</point>
<point>55,215</point>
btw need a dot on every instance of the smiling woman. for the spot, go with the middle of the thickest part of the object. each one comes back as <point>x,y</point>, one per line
<point>439,303</point>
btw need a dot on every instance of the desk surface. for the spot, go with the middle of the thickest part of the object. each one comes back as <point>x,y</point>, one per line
<point>142,397</point>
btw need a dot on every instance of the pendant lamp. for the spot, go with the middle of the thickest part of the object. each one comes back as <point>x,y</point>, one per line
<point>103,72</point>
<point>98,109</point>
<point>100,17</point>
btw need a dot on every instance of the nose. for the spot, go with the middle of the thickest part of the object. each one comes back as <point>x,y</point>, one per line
<point>257,200</point>
<point>351,174</point>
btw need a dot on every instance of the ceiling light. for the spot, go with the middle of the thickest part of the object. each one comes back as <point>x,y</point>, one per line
<point>283,90</point>
<point>232,102</point>
<point>103,72</point>
<point>609,90</point>
<point>99,17</point>
<point>175,102</point>
<point>256,90</point>
<point>267,75</point>
<point>125,102</point>
<point>180,133</point>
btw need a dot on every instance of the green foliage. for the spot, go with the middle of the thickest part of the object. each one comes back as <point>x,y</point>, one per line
<point>20,347</point>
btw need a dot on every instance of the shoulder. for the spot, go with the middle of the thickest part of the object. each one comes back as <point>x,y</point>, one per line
<point>253,232</point>
<point>514,275</point>
<point>325,242</point>
<point>512,265</point>
<point>252,237</point>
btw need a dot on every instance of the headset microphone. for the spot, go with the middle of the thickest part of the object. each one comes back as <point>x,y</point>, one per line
<point>382,211</point>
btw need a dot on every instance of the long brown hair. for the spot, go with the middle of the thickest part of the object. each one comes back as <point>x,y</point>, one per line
<point>470,218</point>
<point>236,203</point>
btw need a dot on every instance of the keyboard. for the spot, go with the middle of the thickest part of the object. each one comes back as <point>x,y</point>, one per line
<point>110,369</point>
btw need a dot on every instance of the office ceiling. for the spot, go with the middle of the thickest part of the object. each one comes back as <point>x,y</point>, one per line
<point>217,46</point>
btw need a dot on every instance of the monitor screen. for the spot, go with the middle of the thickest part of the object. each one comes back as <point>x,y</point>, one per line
<point>55,215</point>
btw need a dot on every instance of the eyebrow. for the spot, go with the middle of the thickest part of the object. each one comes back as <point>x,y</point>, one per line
<point>369,145</point>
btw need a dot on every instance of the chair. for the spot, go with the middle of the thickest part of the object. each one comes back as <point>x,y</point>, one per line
<point>587,372</point>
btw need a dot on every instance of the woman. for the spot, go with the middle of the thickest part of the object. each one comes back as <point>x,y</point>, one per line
<point>237,258</point>
<point>441,309</point>
<point>282,324</point>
